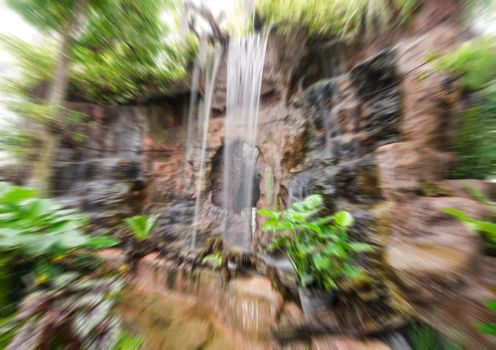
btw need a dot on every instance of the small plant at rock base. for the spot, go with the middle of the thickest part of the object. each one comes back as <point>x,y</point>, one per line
<point>142,225</point>
<point>215,260</point>
<point>317,247</point>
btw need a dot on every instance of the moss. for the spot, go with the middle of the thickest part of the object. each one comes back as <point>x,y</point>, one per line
<point>433,189</point>
<point>171,278</point>
<point>382,213</point>
<point>368,183</point>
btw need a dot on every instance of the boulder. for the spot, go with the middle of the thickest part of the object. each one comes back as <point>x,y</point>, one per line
<point>404,165</point>
<point>429,248</point>
<point>344,343</point>
<point>253,305</point>
<point>429,100</point>
<point>438,265</point>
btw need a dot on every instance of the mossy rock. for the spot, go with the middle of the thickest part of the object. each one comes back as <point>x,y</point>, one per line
<point>433,189</point>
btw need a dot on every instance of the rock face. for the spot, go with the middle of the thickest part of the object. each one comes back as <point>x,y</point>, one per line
<point>249,304</point>
<point>99,173</point>
<point>360,123</point>
<point>434,257</point>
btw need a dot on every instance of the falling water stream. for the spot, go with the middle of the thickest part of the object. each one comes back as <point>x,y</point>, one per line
<point>195,81</point>
<point>212,60</point>
<point>245,64</point>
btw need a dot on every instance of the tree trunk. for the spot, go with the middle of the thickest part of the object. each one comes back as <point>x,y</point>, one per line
<point>42,172</point>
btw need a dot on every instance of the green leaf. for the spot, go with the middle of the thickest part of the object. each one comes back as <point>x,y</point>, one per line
<point>324,220</point>
<point>314,227</point>
<point>99,242</point>
<point>331,249</point>
<point>459,214</point>
<point>72,239</point>
<point>352,272</point>
<point>269,213</point>
<point>294,216</point>
<point>343,218</point>
<point>322,263</point>
<point>491,305</point>
<point>361,247</point>
<point>214,259</point>
<point>487,328</point>
<point>312,202</point>
<point>142,225</point>
<point>17,194</point>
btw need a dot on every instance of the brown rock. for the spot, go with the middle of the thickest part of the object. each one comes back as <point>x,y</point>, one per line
<point>429,100</point>
<point>114,257</point>
<point>429,248</point>
<point>253,305</point>
<point>438,266</point>
<point>462,188</point>
<point>343,343</point>
<point>250,304</point>
<point>403,165</point>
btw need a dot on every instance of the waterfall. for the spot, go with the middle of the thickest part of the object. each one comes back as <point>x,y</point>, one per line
<point>195,80</point>
<point>211,60</point>
<point>245,64</point>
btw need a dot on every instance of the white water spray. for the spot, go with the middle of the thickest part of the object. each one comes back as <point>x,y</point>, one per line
<point>244,80</point>
<point>212,60</point>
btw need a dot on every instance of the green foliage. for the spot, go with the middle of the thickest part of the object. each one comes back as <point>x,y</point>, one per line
<point>44,14</point>
<point>35,62</point>
<point>334,17</point>
<point>6,336</point>
<point>474,61</point>
<point>488,328</point>
<point>424,337</point>
<point>486,228</point>
<point>18,142</point>
<point>44,249</point>
<point>318,248</point>
<point>475,145</point>
<point>127,341</point>
<point>215,260</point>
<point>39,240</point>
<point>38,227</point>
<point>142,225</point>
<point>123,51</point>
<point>126,49</point>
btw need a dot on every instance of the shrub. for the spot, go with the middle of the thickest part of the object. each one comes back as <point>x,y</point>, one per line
<point>474,61</point>
<point>39,240</point>
<point>475,146</point>
<point>333,17</point>
<point>39,227</point>
<point>318,248</point>
<point>44,251</point>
